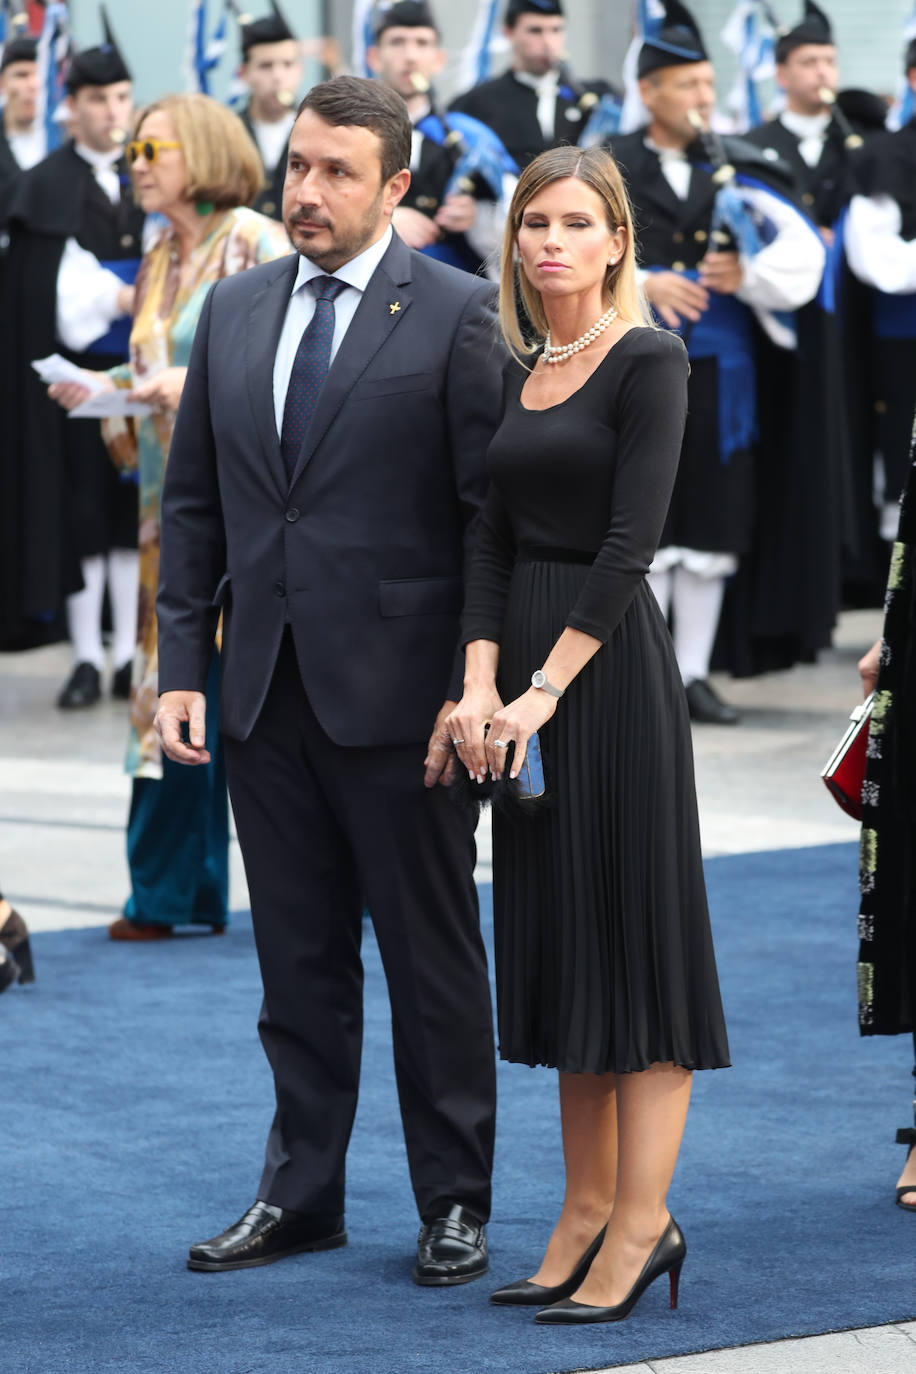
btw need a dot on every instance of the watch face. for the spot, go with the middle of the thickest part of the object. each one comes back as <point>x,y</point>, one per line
<point>538,679</point>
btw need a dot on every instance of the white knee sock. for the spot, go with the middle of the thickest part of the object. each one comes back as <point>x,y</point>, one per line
<point>696,606</point>
<point>84,614</point>
<point>123,567</point>
<point>661,584</point>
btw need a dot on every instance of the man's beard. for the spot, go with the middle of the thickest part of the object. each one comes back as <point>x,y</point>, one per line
<point>344,246</point>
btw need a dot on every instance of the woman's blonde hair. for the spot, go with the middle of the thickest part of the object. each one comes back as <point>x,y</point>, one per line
<point>224,167</point>
<point>597,169</point>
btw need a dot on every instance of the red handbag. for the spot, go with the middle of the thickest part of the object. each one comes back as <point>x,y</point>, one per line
<point>844,772</point>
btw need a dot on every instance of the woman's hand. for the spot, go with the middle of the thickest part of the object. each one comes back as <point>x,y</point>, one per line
<point>162,392</point>
<point>466,724</point>
<point>868,668</point>
<point>72,394</point>
<point>516,723</point>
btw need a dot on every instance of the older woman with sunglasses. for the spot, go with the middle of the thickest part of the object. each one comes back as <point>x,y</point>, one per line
<point>194,166</point>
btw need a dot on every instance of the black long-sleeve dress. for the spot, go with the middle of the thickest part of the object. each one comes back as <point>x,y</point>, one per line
<point>604,954</point>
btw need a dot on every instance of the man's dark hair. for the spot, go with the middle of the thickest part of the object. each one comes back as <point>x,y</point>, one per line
<point>370,105</point>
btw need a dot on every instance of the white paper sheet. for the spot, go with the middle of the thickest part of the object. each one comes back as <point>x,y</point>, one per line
<point>58,369</point>
<point>109,405</point>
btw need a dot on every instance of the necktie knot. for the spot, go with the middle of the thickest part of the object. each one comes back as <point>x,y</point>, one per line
<point>326,288</point>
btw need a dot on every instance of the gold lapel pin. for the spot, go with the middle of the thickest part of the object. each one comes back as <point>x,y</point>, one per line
<point>394,307</point>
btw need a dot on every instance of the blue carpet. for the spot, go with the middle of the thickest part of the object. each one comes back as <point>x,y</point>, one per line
<point>135,1102</point>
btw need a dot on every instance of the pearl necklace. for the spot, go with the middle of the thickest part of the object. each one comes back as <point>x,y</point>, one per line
<point>559,355</point>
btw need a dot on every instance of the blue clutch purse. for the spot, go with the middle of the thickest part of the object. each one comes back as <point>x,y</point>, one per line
<point>530,781</point>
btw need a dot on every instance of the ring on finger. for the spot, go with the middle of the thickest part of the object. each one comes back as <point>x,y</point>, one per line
<point>456,742</point>
<point>500,744</point>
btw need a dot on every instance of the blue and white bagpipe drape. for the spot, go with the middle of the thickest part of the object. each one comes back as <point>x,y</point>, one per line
<point>478,151</point>
<point>53,53</point>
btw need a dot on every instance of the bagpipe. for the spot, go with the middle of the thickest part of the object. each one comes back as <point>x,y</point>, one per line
<point>475,150</point>
<point>601,113</point>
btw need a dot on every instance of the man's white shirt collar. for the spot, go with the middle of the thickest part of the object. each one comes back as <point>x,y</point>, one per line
<point>357,272</point>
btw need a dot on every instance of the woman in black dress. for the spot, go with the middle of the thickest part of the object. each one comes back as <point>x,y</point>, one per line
<point>605,966</point>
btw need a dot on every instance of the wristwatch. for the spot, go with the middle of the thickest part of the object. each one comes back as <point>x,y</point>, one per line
<point>539,680</point>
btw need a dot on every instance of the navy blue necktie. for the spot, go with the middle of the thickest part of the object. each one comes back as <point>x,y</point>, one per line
<point>310,367</point>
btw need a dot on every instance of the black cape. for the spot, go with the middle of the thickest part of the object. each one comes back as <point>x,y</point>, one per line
<point>509,108</point>
<point>825,190</point>
<point>886,166</point>
<point>775,503</point>
<point>55,475</point>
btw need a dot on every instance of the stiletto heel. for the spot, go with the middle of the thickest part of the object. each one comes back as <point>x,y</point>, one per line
<point>528,1294</point>
<point>14,934</point>
<point>674,1278</point>
<point>666,1258</point>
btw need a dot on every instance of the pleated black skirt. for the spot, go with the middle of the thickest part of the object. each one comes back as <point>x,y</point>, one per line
<point>604,955</point>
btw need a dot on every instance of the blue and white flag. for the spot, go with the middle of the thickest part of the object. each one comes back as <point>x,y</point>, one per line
<point>53,51</point>
<point>363,36</point>
<point>648,18</point>
<point>902,110</point>
<point>203,54</point>
<point>487,39</point>
<point>751,35</point>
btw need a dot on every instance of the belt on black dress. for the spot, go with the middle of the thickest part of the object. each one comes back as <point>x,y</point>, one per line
<point>548,553</point>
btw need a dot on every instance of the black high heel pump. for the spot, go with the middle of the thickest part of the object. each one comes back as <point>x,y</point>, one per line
<point>14,934</point>
<point>666,1258</point>
<point>528,1294</point>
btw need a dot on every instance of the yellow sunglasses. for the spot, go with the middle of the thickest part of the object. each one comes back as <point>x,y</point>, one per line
<point>148,148</point>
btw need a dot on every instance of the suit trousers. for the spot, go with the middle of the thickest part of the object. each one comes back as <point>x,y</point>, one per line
<point>325,829</point>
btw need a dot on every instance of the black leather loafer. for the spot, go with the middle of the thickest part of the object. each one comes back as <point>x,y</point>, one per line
<point>707,707</point>
<point>451,1249</point>
<point>264,1234</point>
<point>82,688</point>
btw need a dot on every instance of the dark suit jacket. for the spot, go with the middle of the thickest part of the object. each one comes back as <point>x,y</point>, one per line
<point>364,554</point>
<point>510,108</point>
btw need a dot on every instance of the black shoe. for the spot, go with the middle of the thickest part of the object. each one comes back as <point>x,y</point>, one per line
<point>666,1258</point>
<point>120,681</point>
<point>82,688</point>
<point>14,934</point>
<point>264,1234</point>
<point>451,1249</point>
<point>9,970</point>
<point>707,706</point>
<point>906,1136</point>
<point>528,1294</point>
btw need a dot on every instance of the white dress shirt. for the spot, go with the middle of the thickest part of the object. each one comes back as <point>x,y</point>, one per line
<point>546,88</point>
<point>273,137</point>
<point>875,248</point>
<point>675,166</point>
<point>29,147</point>
<point>810,130</point>
<point>357,274</point>
<point>87,292</point>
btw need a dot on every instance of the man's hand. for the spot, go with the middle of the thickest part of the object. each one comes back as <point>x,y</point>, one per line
<point>417,230</point>
<point>457,214</point>
<point>868,668</point>
<point>675,298</point>
<point>440,762</point>
<point>722,273</point>
<point>162,392</point>
<point>174,709</point>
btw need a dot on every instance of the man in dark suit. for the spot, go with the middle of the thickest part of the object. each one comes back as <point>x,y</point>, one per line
<point>272,71</point>
<point>328,513</point>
